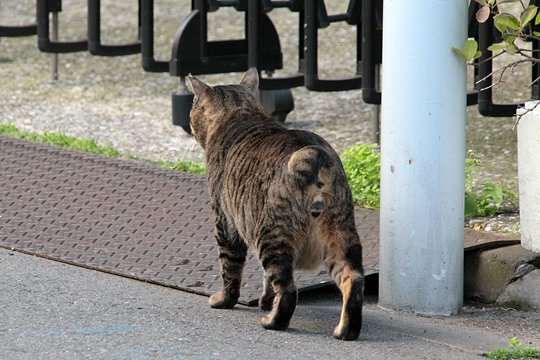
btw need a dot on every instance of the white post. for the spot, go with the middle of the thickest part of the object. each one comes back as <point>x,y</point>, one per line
<point>528,133</point>
<point>422,156</point>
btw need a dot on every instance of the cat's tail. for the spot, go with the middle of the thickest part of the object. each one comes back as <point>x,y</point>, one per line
<point>308,169</point>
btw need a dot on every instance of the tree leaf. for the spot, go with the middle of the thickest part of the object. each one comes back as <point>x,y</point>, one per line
<point>511,49</point>
<point>527,15</point>
<point>496,47</point>
<point>483,14</point>
<point>469,49</point>
<point>459,53</point>
<point>509,38</point>
<point>536,33</point>
<point>505,21</point>
<point>477,54</point>
<point>537,20</point>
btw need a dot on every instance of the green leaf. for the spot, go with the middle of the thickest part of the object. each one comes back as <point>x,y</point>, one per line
<point>527,15</point>
<point>505,21</point>
<point>469,49</point>
<point>459,53</point>
<point>496,47</point>
<point>477,54</point>
<point>483,14</point>
<point>470,204</point>
<point>511,49</point>
<point>537,20</point>
<point>509,38</point>
<point>536,33</point>
<point>362,166</point>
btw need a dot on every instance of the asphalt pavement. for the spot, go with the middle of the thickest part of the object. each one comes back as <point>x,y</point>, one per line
<point>51,310</point>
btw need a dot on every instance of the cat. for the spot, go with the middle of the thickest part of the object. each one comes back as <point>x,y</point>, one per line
<point>283,193</point>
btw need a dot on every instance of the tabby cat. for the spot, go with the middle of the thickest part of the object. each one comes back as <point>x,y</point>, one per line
<point>281,192</point>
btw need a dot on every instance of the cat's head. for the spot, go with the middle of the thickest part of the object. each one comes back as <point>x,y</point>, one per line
<point>213,105</point>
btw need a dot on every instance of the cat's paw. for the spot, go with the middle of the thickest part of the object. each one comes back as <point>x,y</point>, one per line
<point>219,301</point>
<point>346,332</point>
<point>272,322</point>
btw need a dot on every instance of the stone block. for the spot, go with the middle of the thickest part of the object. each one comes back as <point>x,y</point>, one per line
<point>487,273</point>
<point>524,293</point>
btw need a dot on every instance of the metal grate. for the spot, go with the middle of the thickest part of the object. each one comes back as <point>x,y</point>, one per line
<point>131,219</point>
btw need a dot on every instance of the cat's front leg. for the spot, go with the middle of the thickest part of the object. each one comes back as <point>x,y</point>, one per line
<point>232,257</point>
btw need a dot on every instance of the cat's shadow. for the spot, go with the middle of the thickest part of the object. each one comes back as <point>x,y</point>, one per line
<point>318,311</point>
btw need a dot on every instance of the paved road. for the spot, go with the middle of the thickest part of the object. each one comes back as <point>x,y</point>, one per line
<point>50,310</point>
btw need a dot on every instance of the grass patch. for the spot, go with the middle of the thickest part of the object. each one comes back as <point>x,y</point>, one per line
<point>91,146</point>
<point>185,166</point>
<point>60,140</point>
<point>514,351</point>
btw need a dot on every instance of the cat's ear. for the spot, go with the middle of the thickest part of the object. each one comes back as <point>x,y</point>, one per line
<point>251,80</point>
<point>200,89</point>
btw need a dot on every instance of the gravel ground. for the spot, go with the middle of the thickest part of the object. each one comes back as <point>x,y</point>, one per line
<point>114,101</point>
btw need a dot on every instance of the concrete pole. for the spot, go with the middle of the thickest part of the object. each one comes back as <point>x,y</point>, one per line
<point>528,133</point>
<point>422,156</point>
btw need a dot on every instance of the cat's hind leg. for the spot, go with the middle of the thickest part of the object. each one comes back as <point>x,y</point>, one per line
<point>344,263</point>
<point>232,257</point>
<point>277,260</point>
<point>268,295</point>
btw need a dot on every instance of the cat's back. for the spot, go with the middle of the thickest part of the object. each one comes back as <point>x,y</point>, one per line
<point>262,140</point>
<point>263,153</point>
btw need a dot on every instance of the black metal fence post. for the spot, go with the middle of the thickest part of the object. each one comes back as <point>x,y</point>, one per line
<point>149,63</point>
<point>17,30</point>
<point>315,18</point>
<point>45,44</point>
<point>94,34</point>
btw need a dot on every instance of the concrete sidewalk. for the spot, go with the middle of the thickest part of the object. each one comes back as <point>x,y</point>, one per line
<point>50,310</point>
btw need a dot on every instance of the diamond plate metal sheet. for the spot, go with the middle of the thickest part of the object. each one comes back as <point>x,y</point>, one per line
<point>134,220</point>
<point>116,216</point>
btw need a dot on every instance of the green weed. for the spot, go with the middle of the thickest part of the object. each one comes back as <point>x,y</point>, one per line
<point>515,350</point>
<point>490,200</point>
<point>362,165</point>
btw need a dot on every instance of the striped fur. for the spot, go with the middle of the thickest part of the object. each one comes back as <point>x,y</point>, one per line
<point>283,193</point>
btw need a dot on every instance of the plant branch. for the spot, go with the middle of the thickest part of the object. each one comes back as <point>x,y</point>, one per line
<point>488,59</point>
<point>525,112</point>
<point>502,70</point>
